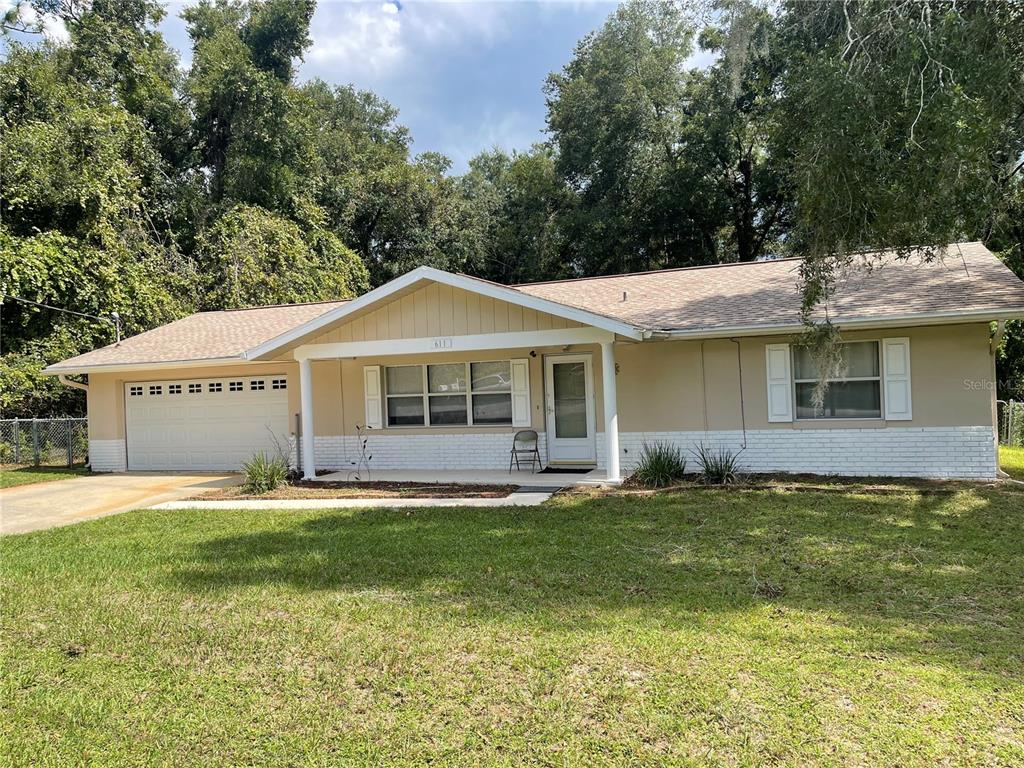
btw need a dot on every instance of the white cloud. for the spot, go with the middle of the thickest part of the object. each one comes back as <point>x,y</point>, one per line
<point>357,38</point>
<point>49,24</point>
<point>367,38</point>
<point>54,29</point>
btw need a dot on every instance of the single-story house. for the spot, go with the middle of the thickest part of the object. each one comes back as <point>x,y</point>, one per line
<point>439,370</point>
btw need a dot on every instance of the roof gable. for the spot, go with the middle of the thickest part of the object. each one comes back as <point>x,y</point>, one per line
<point>437,309</point>
<point>419,278</point>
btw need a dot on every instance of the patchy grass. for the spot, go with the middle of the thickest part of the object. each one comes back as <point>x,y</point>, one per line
<point>12,476</point>
<point>752,627</point>
<point>1011,459</point>
<point>329,489</point>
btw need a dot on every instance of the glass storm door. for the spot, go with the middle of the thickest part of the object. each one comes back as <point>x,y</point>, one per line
<point>569,406</point>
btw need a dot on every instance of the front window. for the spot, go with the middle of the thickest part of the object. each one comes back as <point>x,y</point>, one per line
<point>405,395</point>
<point>857,396</point>
<point>492,392</point>
<point>449,394</point>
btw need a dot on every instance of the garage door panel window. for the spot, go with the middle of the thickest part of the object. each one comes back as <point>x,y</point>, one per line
<point>449,394</point>
<point>857,395</point>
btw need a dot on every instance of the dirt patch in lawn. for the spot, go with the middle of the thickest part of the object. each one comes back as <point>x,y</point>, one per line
<point>366,490</point>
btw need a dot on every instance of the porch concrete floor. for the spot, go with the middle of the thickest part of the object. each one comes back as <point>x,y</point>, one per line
<point>476,477</point>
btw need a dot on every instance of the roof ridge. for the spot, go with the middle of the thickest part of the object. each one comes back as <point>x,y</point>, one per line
<point>866,252</point>
<point>655,271</point>
<point>270,306</point>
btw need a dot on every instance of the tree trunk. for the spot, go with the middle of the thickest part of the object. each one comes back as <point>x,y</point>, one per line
<point>743,211</point>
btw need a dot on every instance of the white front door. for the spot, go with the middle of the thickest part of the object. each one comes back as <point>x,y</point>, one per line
<point>569,405</point>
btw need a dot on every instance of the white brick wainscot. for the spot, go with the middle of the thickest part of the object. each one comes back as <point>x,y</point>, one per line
<point>936,452</point>
<point>107,456</point>
<point>444,450</point>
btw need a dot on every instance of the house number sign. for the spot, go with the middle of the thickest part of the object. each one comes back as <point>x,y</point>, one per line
<point>445,343</point>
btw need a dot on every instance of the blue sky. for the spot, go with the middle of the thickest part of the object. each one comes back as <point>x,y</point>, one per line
<point>466,76</point>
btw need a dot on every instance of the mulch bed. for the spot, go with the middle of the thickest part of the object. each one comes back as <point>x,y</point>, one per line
<point>881,486</point>
<point>323,489</point>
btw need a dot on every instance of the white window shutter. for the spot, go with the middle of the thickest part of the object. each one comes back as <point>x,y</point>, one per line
<point>521,392</point>
<point>372,396</point>
<point>896,372</point>
<point>780,382</point>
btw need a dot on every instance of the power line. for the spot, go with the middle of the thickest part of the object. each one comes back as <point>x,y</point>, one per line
<point>114,318</point>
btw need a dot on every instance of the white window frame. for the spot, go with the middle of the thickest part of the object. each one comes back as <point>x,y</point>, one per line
<point>879,378</point>
<point>426,394</point>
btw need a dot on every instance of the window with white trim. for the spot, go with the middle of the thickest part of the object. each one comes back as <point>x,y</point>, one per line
<point>449,394</point>
<point>235,386</point>
<point>156,389</point>
<point>257,385</point>
<point>279,384</point>
<point>135,391</point>
<point>215,386</point>
<point>195,389</point>
<point>174,389</point>
<point>856,396</point>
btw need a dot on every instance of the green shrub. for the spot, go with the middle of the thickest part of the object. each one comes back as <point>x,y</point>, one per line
<point>660,464</point>
<point>718,466</point>
<point>263,474</point>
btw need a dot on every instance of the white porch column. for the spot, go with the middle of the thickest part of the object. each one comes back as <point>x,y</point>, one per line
<point>611,412</point>
<point>306,407</point>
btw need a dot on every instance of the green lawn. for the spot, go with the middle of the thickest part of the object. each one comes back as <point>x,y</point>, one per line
<point>1012,461</point>
<point>703,628</point>
<point>12,476</point>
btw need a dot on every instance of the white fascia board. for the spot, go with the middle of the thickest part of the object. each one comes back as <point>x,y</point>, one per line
<point>56,370</point>
<point>481,287</point>
<point>890,321</point>
<point>441,344</point>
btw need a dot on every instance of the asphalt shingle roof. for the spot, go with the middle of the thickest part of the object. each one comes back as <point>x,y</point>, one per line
<point>202,336</point>
<point>766,293</point>
<point>735,296</point>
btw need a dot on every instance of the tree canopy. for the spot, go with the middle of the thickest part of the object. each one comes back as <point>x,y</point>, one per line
<point>134,186</point>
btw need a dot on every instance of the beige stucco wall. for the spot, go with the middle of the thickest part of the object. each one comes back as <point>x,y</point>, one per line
<point>662,386</point>
<point>441,310</point>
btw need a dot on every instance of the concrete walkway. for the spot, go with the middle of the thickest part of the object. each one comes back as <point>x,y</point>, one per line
<point>62,502</point>
<point>525,497</point>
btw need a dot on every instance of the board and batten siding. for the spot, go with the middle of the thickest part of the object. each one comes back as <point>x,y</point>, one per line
<point>441,310</point>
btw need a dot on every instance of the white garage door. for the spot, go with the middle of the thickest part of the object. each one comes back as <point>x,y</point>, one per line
<point>205,423</point>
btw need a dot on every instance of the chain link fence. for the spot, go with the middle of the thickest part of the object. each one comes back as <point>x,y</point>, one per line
<point>44,442</point>
<point>1011,422</point>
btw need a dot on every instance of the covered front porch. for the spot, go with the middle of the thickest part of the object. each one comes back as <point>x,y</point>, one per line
<point>447,409</point>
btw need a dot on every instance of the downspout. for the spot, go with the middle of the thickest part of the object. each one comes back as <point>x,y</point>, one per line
<point>994,340</point>
<point>63,378</point>
<point>997,336</point>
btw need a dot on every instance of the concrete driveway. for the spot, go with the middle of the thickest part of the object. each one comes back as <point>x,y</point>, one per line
<point>62,502</point>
